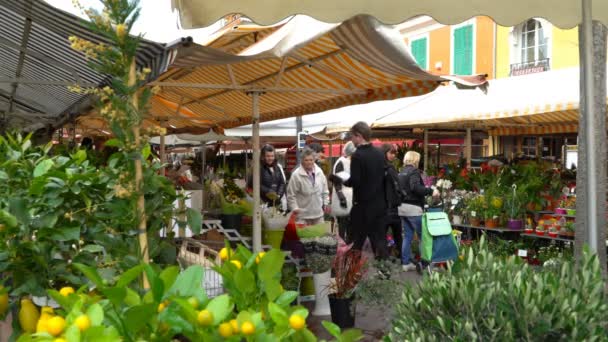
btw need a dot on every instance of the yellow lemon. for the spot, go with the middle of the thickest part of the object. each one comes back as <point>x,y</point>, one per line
<point>161,307</point>
<point>83,322</point>
<point>225,330</point>
<point>55,325</point>
<point>47,310</point>
<point>3,301</point>
<point>66,291</point>
<point>235,325</point>
<point>296,322</point>
<point>60,339</point>
<point>259,257</point>
<point>28,316</point>
<point>193,302</point>
<point>248,328</point>
<point>237,264</point>
<point>205,318</point>
<point>41,325</point>
<point>225,254</point>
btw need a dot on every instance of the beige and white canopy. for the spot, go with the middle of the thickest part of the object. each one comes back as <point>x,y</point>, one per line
<point>561,13</point>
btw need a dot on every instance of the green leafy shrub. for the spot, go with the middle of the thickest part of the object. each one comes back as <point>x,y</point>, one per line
<point>488,298</point>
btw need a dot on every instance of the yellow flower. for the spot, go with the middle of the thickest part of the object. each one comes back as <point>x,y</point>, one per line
<point>121,30</point>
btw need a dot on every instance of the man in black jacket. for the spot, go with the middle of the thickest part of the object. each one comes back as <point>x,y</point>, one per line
<point>369,201</point>
<point>272,179</point>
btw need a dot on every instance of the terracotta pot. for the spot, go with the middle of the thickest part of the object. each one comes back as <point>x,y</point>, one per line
<point>491,223</point>
<point>474,221</point>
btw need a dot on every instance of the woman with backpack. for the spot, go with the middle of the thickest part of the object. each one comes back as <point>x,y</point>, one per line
<point>393,196</point>
<point>412,208</point>
<point>342,196</point>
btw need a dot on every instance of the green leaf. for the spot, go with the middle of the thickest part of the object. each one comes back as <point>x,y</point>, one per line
<point>61,300</point>
<point>128,276</point>
<point>80,156</point>
<point>95,313</point>
<point>188,282</point>
<point>146,151</point>
<point>195,220</point>
<point>43,167</point>
<point>172,317</point>
<point>72,333</point>
<point>332,328</point>
<point>132,298</point>
<point>9,220</point>
<point>245,281</point>
<point>278,315</point>
<point>90,273</point>
<point>273,289</point>
<point>286,298</point>
<point>137,316</point>
<point>221,307</point>
<point>18,207</point>
<point>168,276</point>
<point>305,335</point>
<point>112,143</point>
<point>93,248</point>
<point>351,335</point>
<point>156,284</point>
<point>116,295</point>
<point>47,221</point>
<point>271,264</point>
<point>301,311</point>
<point>66,234</point>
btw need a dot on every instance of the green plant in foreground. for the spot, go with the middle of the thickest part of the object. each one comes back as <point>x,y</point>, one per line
<point>489,298</point>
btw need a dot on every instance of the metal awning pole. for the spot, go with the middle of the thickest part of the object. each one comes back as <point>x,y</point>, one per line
<point>203,166</point>
<point>467,147</point>
<point>425,146</point>
<point>257,212</point>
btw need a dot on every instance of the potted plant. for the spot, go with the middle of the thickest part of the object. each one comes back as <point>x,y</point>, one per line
<point>458,206</point>
<point>319,255</point>
<point>561,208</point>
<point>540,230</point>
<point>349,268</point>
<point>571,206</point>
<point>275,221</point>
<point>492,217</point>
<point>474,208</point>
<point>552,232</point>
<point>232,206</point>
<point>567,229</point>
<point>515,208</point>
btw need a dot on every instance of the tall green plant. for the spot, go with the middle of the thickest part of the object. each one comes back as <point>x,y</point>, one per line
<point>488,298</point>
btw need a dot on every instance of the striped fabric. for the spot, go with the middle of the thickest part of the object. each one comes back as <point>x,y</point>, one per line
<point>49,64</point>
<point>324,66</point>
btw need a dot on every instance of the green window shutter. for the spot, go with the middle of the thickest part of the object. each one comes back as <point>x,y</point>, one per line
<point>419,51</point>
<point>463,50</point>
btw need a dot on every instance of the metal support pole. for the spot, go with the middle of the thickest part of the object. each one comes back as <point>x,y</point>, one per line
<point>203,167</point>
<point>468,148</point>
<point>591,178</point>
<point>162,154</point>
<point>425,146</point>
<point>299,128</point>
<point>257,211</point>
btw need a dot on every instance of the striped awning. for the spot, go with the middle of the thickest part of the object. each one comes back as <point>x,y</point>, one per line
<point>302,66</point>
<point>561,13</point>
<point>37,63</point>
<point>544,102</point>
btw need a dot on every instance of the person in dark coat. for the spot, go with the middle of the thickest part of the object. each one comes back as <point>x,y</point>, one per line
<point>272,179</point>
<point>369,202</point>
<point>412,208</point>
<point>393,196</point>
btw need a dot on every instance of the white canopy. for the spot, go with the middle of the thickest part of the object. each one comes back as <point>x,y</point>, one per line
<point>194,139</point>
<point>561,13</point>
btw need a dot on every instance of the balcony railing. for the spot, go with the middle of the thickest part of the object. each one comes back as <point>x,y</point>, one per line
<point>533,67</point>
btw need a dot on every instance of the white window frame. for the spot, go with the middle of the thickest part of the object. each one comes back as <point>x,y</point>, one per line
<point>473,22</point>
<point>426,36</point>
<point>515,37</point>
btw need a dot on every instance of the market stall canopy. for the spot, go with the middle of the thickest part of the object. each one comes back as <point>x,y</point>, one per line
<point>303,66</point>
<point>561,13</point>
<point>37,64</point>
<point>194,139</point>
<point>540,103</point>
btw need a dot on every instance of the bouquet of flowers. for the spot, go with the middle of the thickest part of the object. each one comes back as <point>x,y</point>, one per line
<point>320,252</point>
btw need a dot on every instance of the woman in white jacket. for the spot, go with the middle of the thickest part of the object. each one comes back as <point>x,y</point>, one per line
<point>307,192</point>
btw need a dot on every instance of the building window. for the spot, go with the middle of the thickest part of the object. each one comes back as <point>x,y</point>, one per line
<point>420,52</point>
<point>531,47</point>
<point>463,50</point>
<point>528,147</point>
<point>533,43</point>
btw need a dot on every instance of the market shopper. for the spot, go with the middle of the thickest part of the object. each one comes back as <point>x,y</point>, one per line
<point>411,210</point>
<point>307,192</point>
<point>343,194</point>
<point>393,196</point>
<point>272,177</point>
<point>369,202</point>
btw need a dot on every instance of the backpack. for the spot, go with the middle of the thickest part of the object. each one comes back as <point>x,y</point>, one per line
<point>392,189</point>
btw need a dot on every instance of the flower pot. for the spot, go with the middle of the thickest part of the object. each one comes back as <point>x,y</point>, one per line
<point>571,212</point>
<point>561,211</point>
<point>553,234</point>
<point>457,219</point>
<point>273,238</point>
<point>515,224</point>
<point>491,223</point>
<point>529,231</point>
<point>341,313</point>
<point>232,221</point>
<point>307,286</point>
<point>540,232</point>
<point>321,281</point>
<point>474,221</point>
